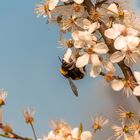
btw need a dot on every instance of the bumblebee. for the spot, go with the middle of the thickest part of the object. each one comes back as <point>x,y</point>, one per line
<point>71,72</point>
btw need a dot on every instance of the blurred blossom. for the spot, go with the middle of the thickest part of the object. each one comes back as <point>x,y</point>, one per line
<point>29,115</point>
<point>63,131</point>
<point>98,123</point>
<point>7,128</point>
<point>3,95</point>
<point>125,114</point>
<point>120,131</point>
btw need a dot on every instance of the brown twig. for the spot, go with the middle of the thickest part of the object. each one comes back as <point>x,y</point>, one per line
<point>125,69</point>
<point>12,135</point>
<point>114,76</point>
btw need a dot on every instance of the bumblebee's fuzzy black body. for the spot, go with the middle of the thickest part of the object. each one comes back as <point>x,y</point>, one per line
<point>70,71</point>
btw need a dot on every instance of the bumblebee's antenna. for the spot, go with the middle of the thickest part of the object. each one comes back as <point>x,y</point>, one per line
<point>60,59</point>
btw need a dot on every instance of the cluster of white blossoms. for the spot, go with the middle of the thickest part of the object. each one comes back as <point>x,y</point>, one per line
<point>63,131</point>
<point>89,45</point>
<point>129,128</point>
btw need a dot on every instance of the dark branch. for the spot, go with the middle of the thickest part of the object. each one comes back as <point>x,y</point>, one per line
<point>125,69</point>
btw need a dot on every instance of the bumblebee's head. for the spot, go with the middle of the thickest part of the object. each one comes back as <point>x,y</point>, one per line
<point>64,72</point>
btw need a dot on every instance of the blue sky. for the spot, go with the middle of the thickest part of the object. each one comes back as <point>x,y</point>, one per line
<point>30,73</point>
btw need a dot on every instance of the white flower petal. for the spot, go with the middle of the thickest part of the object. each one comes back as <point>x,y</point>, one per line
<point>113,8</point>
<point>79,1</point>
<point>95,60</point>
<point>67,55</point>
<point>131,31</point>
<point>82,35</point>
<point>137,76</point>
<point>93,27</point>
<point>86,135</point>
<point>78,44</point>
<point>83,23</point>
<point>85,35</point>
<point>117,85</point>
<point>75,133</point>
<point>95,71</point>
<point>64,0</point>
<point>75,35</point>
<point>82,60</point>
<point>52,4</point>
<point>109,66</point>
<point>119,27</point>
<point>51,135</point>
<point>101,48</point>
<point>111,33</point>
<point>137,91</point>
<point>117,57</point>
<point>94,38</point>
<point>120,43</point>
<point>132,42</point>
<point>128,60</point>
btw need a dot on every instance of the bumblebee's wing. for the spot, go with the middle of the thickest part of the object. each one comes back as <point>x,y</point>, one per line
<point>73,87</point>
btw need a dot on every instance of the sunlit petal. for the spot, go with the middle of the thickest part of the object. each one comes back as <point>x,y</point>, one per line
<point>95,71</point>
<point>93,27</point>
<point>95,60</point>
<point>113,8</point>
<point>120,43</point>
<point>79,1</point>
<point>101,48</point>
<point>112,33</point>
<point>52,4</point>
<point>117,57</point>
<point>67,55</point>
<point>132,42</point>
<point>131,31</point>
<point>137,76</point>
<point>82,60</point>
<point>117,85</point>
<point>137,91</point>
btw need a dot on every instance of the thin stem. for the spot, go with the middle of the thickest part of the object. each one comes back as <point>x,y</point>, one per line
<point>0,115</point>
<point>35,136</point>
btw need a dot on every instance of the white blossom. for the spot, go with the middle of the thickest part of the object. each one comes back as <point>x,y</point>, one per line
<point>85,135</point>
<point>3,95</point>
<point>137,88</point>
<point>53,3</point>
<point>126,42</point>
<point>90,56</point>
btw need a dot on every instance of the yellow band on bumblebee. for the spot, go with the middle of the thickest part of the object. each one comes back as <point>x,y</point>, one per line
<point>63,71</point>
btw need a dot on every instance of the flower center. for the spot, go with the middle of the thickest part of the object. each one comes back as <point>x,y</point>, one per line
<point>89,50</point>
<point>94,15</point>
<point>124,33</point>
<point>129,51</point>
<point>108,77</point>
<point>46,8</point>
<point>70,43</point>
<point>125,129</point>
<point>96,127</point>
<point>2,102</point>
<point>77,8</point>
<point>121,14</point>
<point>129,115</point>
